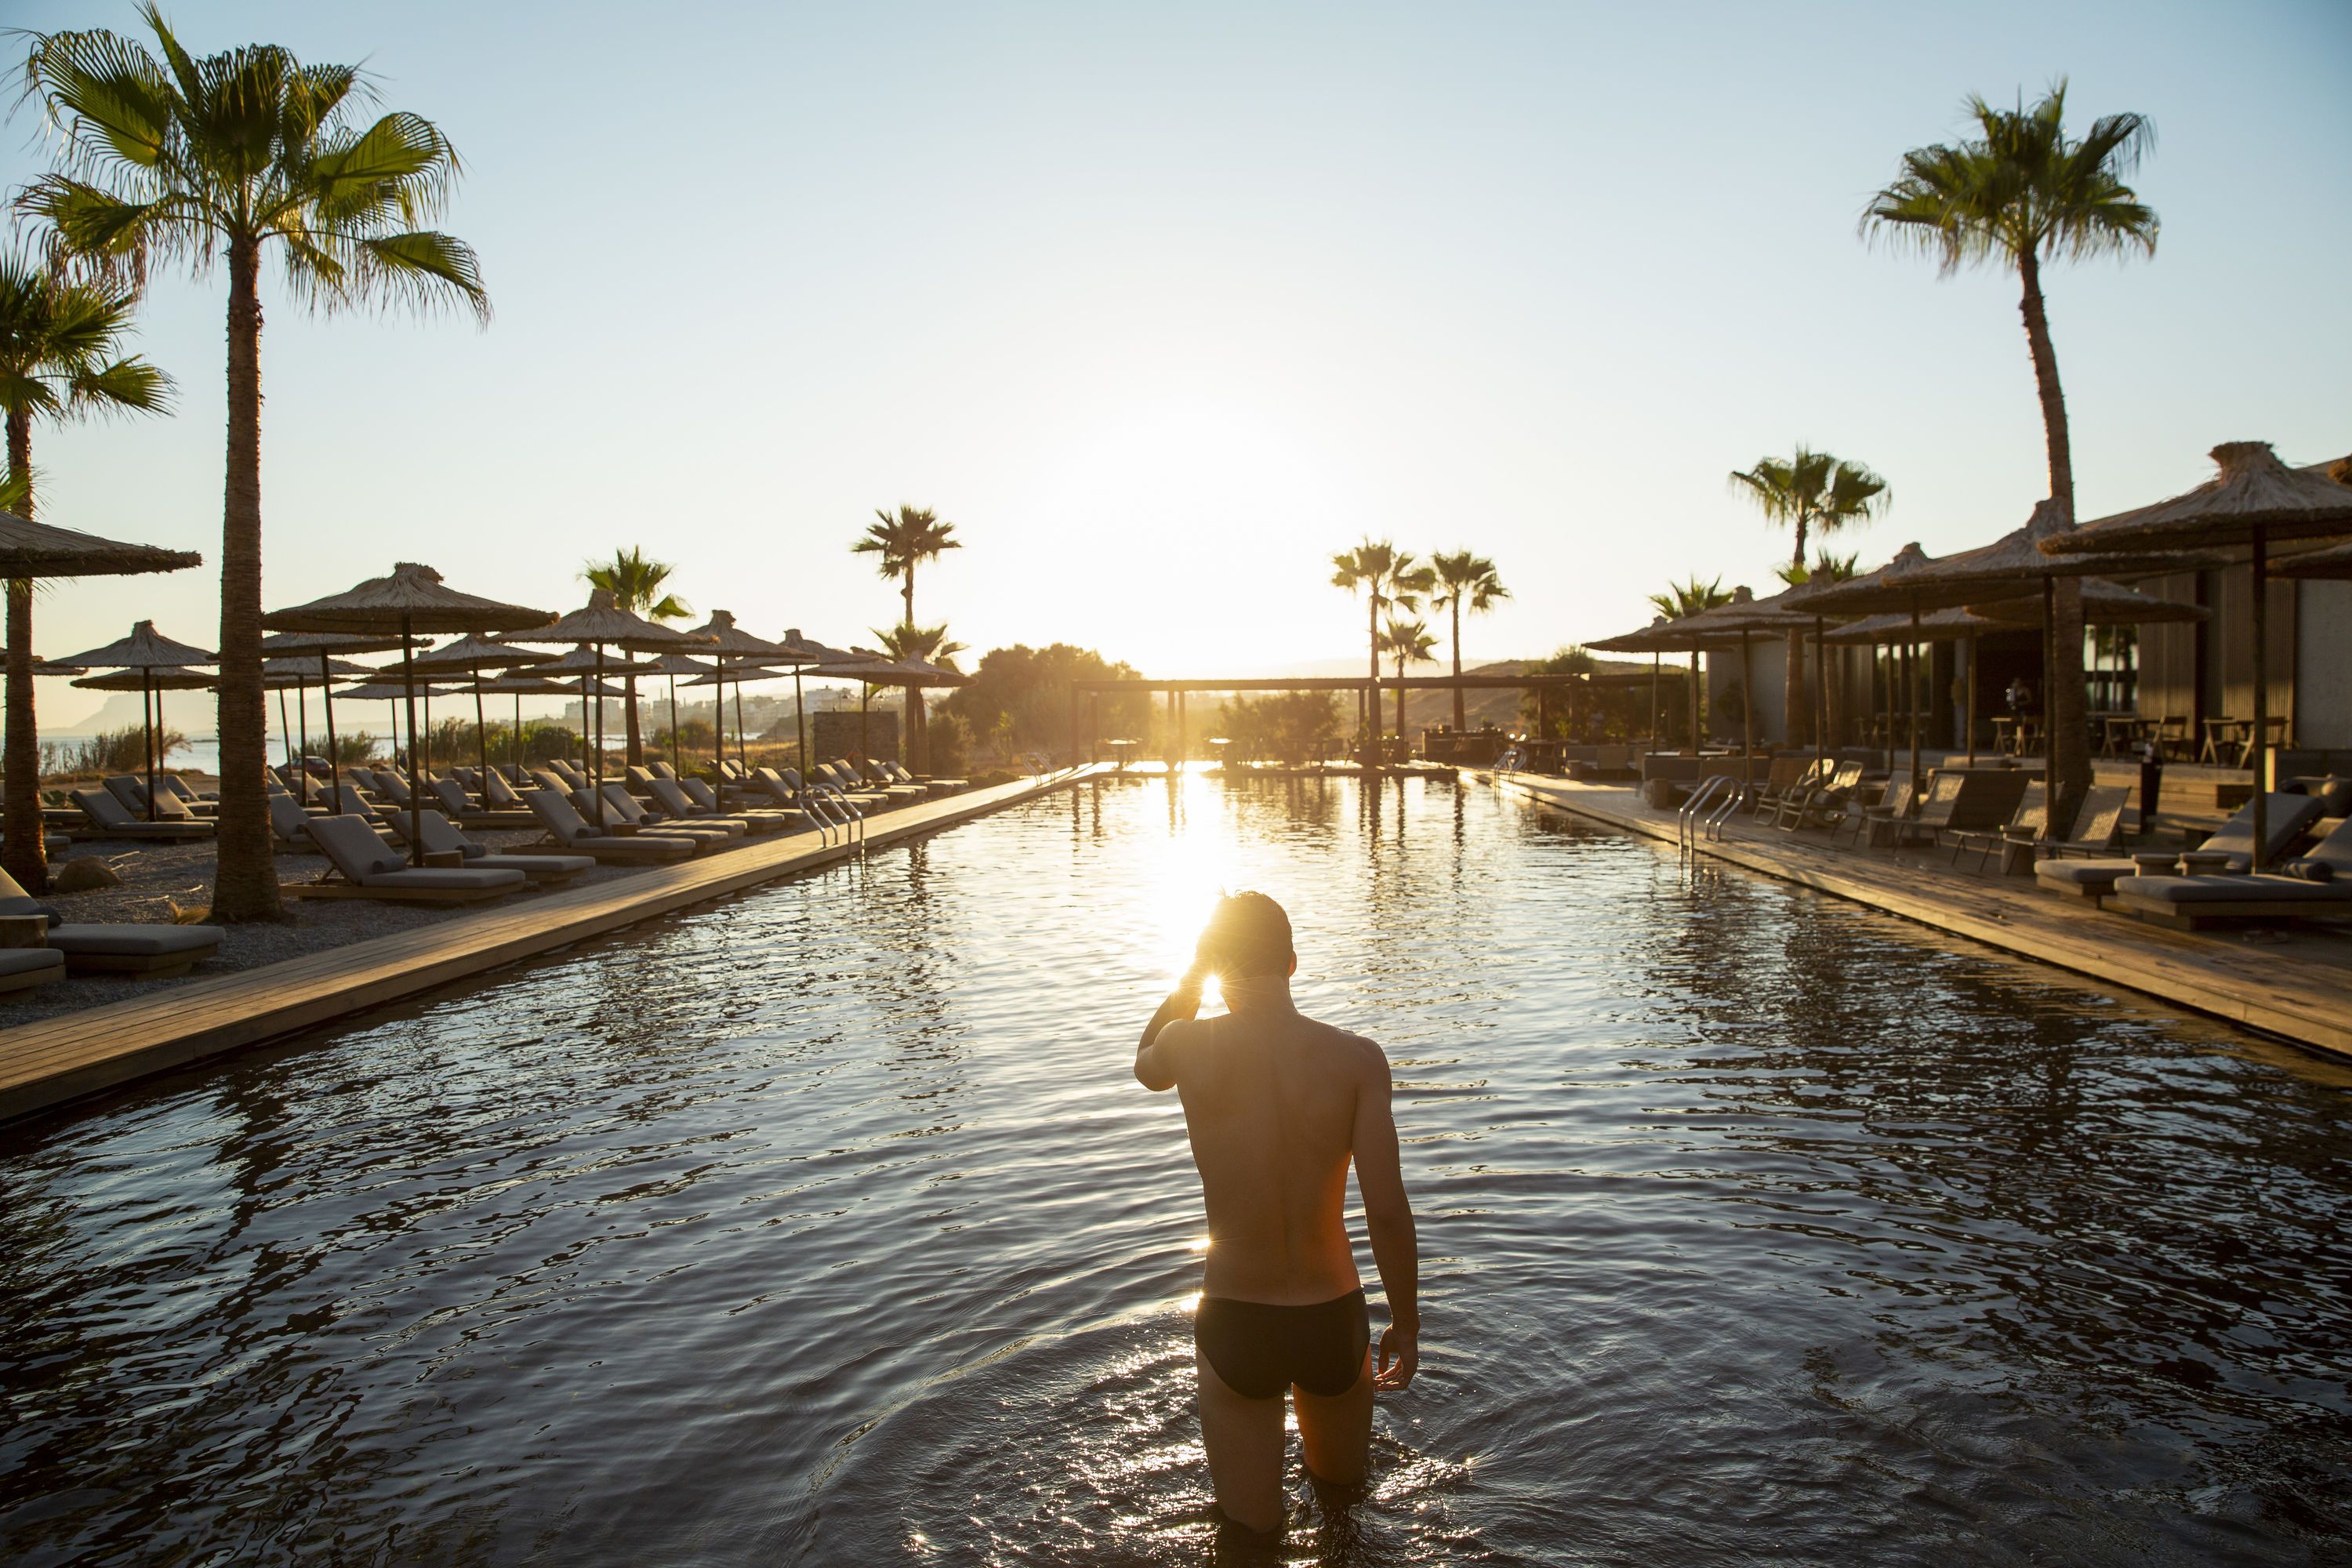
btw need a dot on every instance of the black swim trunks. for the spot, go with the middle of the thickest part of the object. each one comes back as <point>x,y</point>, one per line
<point>1260,1349</point>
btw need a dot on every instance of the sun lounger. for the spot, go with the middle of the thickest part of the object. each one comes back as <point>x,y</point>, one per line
<point>672,798</point>
<point>836,775</point>
<point>935,786</point>
<point>625,807</point>
<point>573,833</point>
<point>2098,825</point>
<point>1821,804</point>
<point>458,804</point>
<point>870,777</point>
<point>1894,802</point>
<point>662,770</point>
<point>499,795</point>
<point>370,869</point>
<point>187,795</point>
<point>2014,839</point>
<point>2186,903</point>
<point>153,952</point>
<point>22,968</point>
<point>132,794</point>
<point>441,838</point>
<point>289,826</point>
<point>111,819</point>
<point>2291,816</point>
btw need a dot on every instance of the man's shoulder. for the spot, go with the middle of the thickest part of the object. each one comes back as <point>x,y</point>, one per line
<point>1360,1051</point>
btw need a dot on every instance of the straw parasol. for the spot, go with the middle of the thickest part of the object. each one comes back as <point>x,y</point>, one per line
<point>145,650</point>
<point>737,652</point>
<point>2253,500</point>
<point>295,674</point>
<point>598,624</point>
<point>1740,620</point>
<point>869,669</point>
<point>518,686</point>
<point>799,653</point>
<point>469,656</point>
<point>322,647</point>
<point>150,682</point>
<point>674,665</point>
<point>30,550</point>
<point>1664,635</point>
<point>410,600</point>
<point>2334,562</point>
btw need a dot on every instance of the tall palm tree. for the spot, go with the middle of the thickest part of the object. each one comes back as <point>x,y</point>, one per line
<point>187,160</point>
<point>2020,194</point>
<point>1386,576</point>
<point>1808,490</point>
<point>636,586</point>
<point>903,542</point>
<point>909,641</point>
<point>1464,581</point>
<point>1406,642</point>
<point>60,359</point>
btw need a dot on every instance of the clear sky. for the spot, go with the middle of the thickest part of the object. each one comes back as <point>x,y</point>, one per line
<point>1161,306</point>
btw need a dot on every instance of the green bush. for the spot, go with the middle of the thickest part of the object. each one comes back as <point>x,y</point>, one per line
<point>950,740</point>
<point>115,752</point>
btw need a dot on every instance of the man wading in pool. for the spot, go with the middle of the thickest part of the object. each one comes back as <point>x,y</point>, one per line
<point>1277,1105</point>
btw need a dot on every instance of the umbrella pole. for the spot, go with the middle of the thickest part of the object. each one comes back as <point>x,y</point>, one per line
<point>2052,825</point>
<point>146,696</point>
<point>675,755</point>
<point>285,728</point>
<point>800,717</point>
<point>597,773</point>
<point>1654,709</point>
<point>1968,720</point>
<point>865,739</point>
<point>481,734</point>
<point>1694,702</point>
<point>2260,752</point>
<point>420,749</point>
<point>417,774</point>
<point>719,717</point>
<point>335,765</point>
<point>302,722</point>
<point>1911,652</point>
<point>1747,718</point>
<point>1820,699</point>
<point>741,760</point>
<point>514,748</point>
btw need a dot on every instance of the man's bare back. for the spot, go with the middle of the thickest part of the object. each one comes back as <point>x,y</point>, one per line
<point>1277,1107</point>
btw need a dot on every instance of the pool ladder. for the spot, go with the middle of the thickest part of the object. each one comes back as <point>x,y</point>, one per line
<point>1710,807</point>
<point>837,816</point>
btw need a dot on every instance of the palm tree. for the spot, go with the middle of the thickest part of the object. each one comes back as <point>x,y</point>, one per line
<point>915,535</point>
<point>1806,490</point>
<point>1827,568</point>
<point>1689,598</point>
<point>2020,194</point>
<point>60,359</point>
<point>185,160</point>
<point>909,641</point>
<point>1406,641</point>
<point>1386,576</point>
<point>636,585</point>
<point>1466,581</point>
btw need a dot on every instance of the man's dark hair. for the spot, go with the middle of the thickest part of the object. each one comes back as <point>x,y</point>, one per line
<point>1248,936</point>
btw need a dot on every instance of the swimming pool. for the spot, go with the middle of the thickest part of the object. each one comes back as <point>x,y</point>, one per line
<point>827,1224</point>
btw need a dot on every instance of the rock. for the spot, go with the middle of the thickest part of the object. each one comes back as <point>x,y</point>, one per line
<point>84,874</point>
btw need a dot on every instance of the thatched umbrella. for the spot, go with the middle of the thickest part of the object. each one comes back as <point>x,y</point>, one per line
<point>519,686</point>
<point>1955,624</point>
<point>469,656</point>
<point>324,647</point>
<point>30,550</point>
<point>1740,619</point>
<point>800,653</point>
<point>296,674</point>
<point>1662,636</point>
<point>674,665</point>
<point>737,651</point>
<point>598,624</point>
<point>586,663</point>
<point>150,682</point>
<point>869,669</point>
<point>413,599</point>
<point>145,649</point>
<point>2334,562</point>
<point>2254,501</point>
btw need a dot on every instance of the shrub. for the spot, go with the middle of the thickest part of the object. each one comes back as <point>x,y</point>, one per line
<point>114,752</point>
<point>950,738</point>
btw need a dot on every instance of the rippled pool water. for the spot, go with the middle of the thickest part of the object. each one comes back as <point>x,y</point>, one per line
<point>829,1226</point>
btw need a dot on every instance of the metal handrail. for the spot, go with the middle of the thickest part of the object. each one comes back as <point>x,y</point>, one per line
<point>1687,814</point>
<point>1735,798</point>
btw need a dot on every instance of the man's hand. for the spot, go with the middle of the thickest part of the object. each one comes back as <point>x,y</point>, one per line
<point>1400,1358</point>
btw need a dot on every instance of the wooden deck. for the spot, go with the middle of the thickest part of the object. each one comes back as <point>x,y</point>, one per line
<point>2298,987</point>
<point>58,1059</point>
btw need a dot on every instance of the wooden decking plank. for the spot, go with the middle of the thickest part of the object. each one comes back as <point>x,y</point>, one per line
<point>56,1060</point>
<point>2280,994</point>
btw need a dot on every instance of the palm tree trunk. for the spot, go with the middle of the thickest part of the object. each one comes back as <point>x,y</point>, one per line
<point>917,747</point>
<point>1459,724</point>
<point>20,754</point>
<point>244,882</point>
<point>636,745</point>
<point>2066,701</point>
<point>1373,691</point>
<point>1400,675</point>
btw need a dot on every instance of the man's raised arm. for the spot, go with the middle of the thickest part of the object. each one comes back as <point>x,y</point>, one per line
<point>1388,1216</point>
<point>1153,1068</point>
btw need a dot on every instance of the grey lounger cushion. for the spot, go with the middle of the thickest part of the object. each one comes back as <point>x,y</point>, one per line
<point>367,861</point>
<point>133,941</point>
<point>2085,873</point>
<point>534,864</point>
<point>2264,890</point>
<point>16,960</point>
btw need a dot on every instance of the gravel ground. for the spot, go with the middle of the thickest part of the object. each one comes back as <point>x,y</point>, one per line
<point>163,881</point>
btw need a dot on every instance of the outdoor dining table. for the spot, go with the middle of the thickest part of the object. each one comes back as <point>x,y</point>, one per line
<point>2015,736</point>
<point>1121,751</point>
<point>2123,733</point>
<point>2224,736</point>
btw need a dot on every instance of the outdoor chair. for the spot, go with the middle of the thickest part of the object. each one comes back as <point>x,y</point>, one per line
<point>149,950</point>
<point>2013,839</point>
<point>288,824</point>
<point>132,794</point>
<point>464,809</point>
<point>441,838</point>
<point>1785,777</point>
<point>2186,903</point>
<point>1893,801</point>
<point>709,832</point>
<point>370,869</point>
<point>2291,816</point>
<point>1824,803</point>
<point>673,800</point>
<point>1961,801</point>
<point>2098,825</point>
<point>934,784</point>
<point>111,819</point>
<point>572,833</point>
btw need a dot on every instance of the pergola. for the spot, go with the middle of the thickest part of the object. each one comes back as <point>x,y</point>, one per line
<point>1367,688</point>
